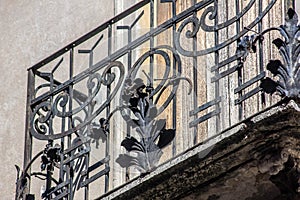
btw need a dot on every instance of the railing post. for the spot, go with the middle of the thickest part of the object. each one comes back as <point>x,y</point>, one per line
<point>28,137</point>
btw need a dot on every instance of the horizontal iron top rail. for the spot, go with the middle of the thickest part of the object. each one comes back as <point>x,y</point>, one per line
<point>159,29</point>
<point>89,34</point>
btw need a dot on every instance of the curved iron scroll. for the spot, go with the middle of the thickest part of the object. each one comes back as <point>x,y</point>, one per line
<point>197,23</point>
<point>140,109</point>
<point>143,97</point>
<point>40,127</point>
<point>287,69</point>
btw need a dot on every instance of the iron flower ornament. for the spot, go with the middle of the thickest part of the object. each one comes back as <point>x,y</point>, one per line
<point>152,132</point>
<point>288,68</point>
<point>140,106</point>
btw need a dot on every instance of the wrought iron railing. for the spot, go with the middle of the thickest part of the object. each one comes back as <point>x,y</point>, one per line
<point>102,112</point>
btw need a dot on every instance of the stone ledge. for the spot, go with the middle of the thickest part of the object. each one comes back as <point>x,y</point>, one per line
<point>218,159</point>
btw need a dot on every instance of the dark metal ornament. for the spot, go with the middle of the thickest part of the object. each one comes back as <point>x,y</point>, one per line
<point>141,101</point>
<point>287,69</point>
<point>85,120</point>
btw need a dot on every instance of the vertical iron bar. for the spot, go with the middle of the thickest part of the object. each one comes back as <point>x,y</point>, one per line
<point>260,44</point>
<point>51,102</point>
<point>217,92</point>
<point>195,77</point>
<point>228,66</point>
<point>86,190</point>
<point>28,137</point>
<point>269,55</point>
<point>70,117</point>
<point>174,113</point>
<point>107,146</point>
<point>240,77</point>
<point>61,171</point>
<point>109,48</point>
<point>90,111</point>
<point>129,60</point>
<point>50,142</point>
<point>151,41</point>
<point>260,54</point>
<point>48,177</point>
<point>130,51</point>
<point>91,56</point>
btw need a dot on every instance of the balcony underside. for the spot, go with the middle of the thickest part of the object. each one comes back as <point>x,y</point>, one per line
<point>258,159</point>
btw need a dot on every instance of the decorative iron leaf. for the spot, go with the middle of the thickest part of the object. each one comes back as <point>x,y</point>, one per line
<point>141,162</point>
<point>131,144</point>
<point>149,89</point>
<point>126,96</point>
<point>146,162</point>
<point>278,43</point>
<point>158,126</point>
<point>152,113</point>
<point>292,15</point>
<point>53,154</point>
<point>134,103</point>
<point>125,160</point>
<point>268,85</point>
<point>165,137</point>
<point>132,122</point>
<point>153,158</point>
<point>138,98</point>
<point>138,83</point>
<point>273,66</point>
<point>45,162</point>
<point>98,133</point>
<point>253,48</point>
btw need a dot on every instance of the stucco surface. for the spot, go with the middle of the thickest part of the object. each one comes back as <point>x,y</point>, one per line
<point>30,31</point>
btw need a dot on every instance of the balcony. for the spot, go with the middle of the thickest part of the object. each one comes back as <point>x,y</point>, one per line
<point>167,106</point>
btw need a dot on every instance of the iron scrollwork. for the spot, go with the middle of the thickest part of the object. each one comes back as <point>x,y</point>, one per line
<point>211,14</point>
<point>71,161</point>
<point>153,133</point>
<point>141,101</point>
<point>288,69</point>
<point>41,129</point>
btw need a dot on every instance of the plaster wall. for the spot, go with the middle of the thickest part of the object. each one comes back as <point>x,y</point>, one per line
<point>30,31</point>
